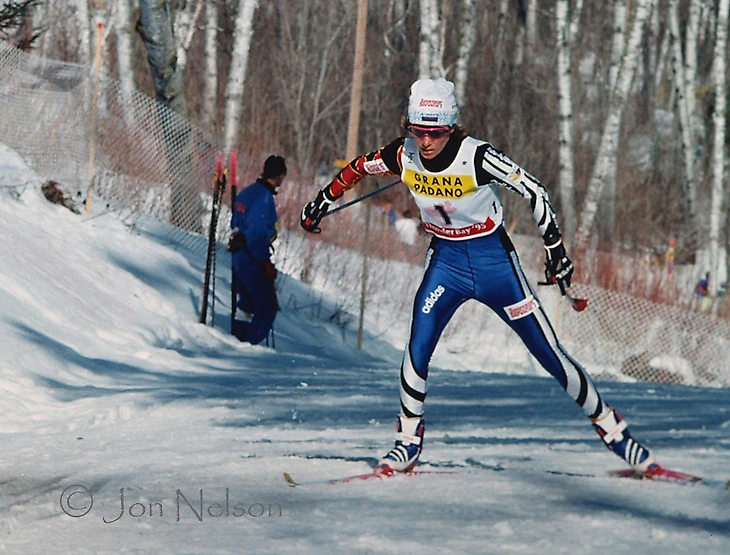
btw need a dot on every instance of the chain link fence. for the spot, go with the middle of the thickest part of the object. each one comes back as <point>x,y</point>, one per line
<point>144,160</point>
<point>141,156</point>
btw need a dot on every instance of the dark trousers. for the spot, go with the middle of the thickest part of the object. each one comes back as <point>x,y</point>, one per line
<point>257,296</point>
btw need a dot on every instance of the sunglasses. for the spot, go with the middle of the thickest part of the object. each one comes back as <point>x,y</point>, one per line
<point>433,132</point>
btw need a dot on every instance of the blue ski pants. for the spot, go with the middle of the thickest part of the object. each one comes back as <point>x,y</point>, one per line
<point>485,269</point>
<point>256,295</point>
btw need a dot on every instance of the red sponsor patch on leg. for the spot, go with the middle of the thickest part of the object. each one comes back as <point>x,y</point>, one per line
<point>522,308</point>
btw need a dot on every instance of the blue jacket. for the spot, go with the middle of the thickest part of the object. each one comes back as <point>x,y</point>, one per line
<point>254,215</point>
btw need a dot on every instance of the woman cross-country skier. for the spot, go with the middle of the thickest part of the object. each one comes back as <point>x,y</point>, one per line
<point>455,179</point>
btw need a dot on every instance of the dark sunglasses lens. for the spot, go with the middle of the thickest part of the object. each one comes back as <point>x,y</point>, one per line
<point>433,133</point>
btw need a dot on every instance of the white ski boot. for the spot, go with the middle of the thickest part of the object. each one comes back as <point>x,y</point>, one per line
<point>612,429</point>
<point>408,444</point>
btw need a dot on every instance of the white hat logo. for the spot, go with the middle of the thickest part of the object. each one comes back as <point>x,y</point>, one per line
<point>432,103</point>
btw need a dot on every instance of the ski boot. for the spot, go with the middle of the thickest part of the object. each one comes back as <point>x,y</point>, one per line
<point>612,429</point>
<point>408,444</point>
<point>240,325</point>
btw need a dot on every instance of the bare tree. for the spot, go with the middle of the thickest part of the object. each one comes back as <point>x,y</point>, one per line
<point>15,16</point>
<point>313,61</point>
<point>155,28</point>
<point>563,19</point>
<point>720,123</point>
<point>185,26</point>
<point>430,53</point>
<point>237,73</point>
<point>125,59</point>
<point>467,28</point>
<point>607,215</point>
<point>84,27</point>
<point>210,74</point>
<point>612,126</point>
<point>531,24</point>
<point>685,118</point>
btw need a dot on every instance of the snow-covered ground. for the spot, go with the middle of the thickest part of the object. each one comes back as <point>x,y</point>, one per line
<point>171,437</point>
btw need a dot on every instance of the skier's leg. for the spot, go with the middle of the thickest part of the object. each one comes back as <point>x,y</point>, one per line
<point>518,306</point>
<point>265,307</point>
<point>436,300</point>
<point>244,302</point>
<point>257,299</point>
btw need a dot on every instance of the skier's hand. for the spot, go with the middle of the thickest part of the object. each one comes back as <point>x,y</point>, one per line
<point>270,270</point>
<point>558,267</point>
<point>236,243</point>
<point>314,211</point>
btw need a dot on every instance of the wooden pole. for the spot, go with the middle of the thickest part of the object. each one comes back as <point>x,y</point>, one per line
<point>364,280</point>
<point>353,127</point>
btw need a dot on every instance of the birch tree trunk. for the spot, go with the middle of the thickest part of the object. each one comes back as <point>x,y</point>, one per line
<point>680,84</point>
<point>607,218</point>
<point>155,28</point>
<point>467,27</point>
<point>237,75</point>
<point>577,8</point>
<point>84,25</point>
<point>125,59</point>
<point>497,95</point>
<point>719,124</point>
<point>565,115</point>
<point>531,25</point>
<point>210,76</point>
<point>429,51</point>
<point>690,58</point>
<point>185,25</point>
<point>40,18</point>
<point>612,127</point>
<point>661,58</point>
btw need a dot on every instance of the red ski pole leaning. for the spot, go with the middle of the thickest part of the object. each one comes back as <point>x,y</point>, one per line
<point>233,163</point>
<point>220,184</point>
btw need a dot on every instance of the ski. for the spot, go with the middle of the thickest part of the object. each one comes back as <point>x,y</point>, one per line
<point>220,185</point>
<point>661,474</point>
<point>372,475</point>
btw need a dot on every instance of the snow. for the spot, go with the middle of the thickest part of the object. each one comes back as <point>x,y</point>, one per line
<point>110,388</point>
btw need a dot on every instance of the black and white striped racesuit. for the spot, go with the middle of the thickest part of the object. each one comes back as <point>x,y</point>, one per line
<point>471,257</point>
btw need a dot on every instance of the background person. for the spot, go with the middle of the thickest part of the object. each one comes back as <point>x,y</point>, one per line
<point>255,225</point>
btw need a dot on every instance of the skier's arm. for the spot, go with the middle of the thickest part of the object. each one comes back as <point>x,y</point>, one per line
<point>495,167</point>
<point>384,161</point>
<point>260,229</point>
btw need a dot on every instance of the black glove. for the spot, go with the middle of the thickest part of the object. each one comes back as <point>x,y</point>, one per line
<point>558,267</point>
<point>314,211</point>
<point>236,243</point>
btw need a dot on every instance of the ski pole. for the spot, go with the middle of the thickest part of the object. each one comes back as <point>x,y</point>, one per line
<point>358,199</point>
<point>220,183</point>
<point>576,303</point>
